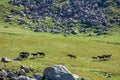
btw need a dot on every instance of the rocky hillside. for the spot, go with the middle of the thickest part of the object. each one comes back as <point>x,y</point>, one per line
<point>65,16</point>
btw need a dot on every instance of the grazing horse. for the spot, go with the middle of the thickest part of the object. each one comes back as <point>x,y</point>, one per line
<point>108,56</point>
<point>71,56</point>
<point>41,54</point>
<point>94,57</point>
<point>34,54</point>
<point>101,57</point>
<point>24,55</point>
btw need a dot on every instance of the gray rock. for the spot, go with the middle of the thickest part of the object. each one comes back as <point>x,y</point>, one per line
<point>55,31</point>
<point>21,21</point>
<point>9,16</point>
<point>22,72</point>
<point>13,78</point>
<point>74,31</point>
<point>4,59</point>
<point>8,20</point>
<point>25,68</point>
<point>58,72</point>
<point>38,30</point>
<point>25,78</point>
<point>108,3</point>
<point>11,74</point>
<point>18,59</point>
<point>3,74</point>
<point>38,77</point>
<point>22,13</point>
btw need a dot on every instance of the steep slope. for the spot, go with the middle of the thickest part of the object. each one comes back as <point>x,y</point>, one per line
<point>68,16</point>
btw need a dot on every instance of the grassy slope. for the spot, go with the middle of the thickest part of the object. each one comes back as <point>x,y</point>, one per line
<point>14,40</point>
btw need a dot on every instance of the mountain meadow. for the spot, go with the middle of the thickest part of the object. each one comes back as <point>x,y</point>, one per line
<point>22,34</point>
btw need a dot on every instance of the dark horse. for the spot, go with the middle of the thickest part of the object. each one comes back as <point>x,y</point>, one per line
<point>101,57</point>
<point>107,56</point>
<point>94,57</point>
<point>71,56</point>
<point>41,54</point>
<point>34,54</point>
<point>24,55</point>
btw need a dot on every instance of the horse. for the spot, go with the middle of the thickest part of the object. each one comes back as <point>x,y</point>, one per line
<point>24,55</point>
<point>101,57</point>
<point>94,57</point>
<point>41,54</point>
<point>71,56</point>
<point>108,56</point>
<point>34,54</point>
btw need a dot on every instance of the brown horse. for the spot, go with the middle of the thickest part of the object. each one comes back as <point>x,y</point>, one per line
<point>101,57</point>
<point>94,57</point>
<point>71,56</point>
<point>107,56</point>
<point>34,54</point>
<point>24,55</point>
<point>41,54</point>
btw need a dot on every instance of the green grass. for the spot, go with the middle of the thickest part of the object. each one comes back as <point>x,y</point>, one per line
<point>14,40</point>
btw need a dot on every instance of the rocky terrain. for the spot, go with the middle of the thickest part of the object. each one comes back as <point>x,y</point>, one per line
<point>56,72</point>
<point>69,16</point>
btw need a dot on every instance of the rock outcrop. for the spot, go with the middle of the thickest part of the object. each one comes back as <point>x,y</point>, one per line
<point>58,72</point>
<point>72,12</point>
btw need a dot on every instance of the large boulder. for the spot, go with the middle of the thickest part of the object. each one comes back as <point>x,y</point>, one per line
<point>58,72</point>
<point>38,77</point>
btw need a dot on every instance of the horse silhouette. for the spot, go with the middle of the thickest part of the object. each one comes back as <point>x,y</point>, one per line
<point>41,54</point>
<point>34,54</point>
<point>94,57</point>
<point>24,55</point>
<point>71,56</point>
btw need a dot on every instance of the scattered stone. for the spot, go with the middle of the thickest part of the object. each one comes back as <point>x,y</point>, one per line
<point>13,78</point>
<point>38,30</point>
<point>11,74</point>
<point>75,11</point>
<point>4,59</point>
<point>25,78</point>
<point>74,31</point>
<point>22,72</point>
<point>3,74</point>
<point>18,59</point>
<point>8,20</point>
<point>38,77</point>
<point>25,69</point>
<point>21,21</point>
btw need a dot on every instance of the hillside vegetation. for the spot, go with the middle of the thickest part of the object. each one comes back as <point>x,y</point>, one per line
<point>67,17</point>
<point>15,38</point>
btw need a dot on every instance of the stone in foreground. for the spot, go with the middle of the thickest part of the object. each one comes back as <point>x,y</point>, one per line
<point>59,72</point>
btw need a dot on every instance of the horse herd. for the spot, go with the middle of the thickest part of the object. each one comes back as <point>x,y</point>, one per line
<point>24,55</point>
<point>102,57</point>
